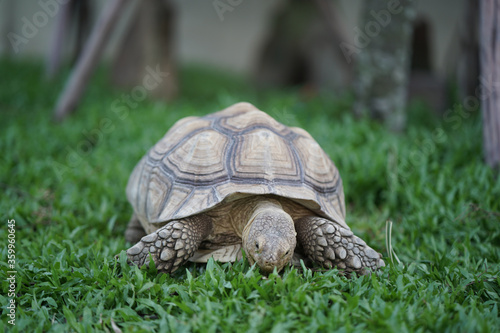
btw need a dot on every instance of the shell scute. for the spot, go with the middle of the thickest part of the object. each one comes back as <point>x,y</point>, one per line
<point>233,153</point>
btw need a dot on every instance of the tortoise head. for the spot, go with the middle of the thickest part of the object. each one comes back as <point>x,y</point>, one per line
<point>269,239</point>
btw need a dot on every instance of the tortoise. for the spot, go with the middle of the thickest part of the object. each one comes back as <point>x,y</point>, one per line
<point>238,179</point>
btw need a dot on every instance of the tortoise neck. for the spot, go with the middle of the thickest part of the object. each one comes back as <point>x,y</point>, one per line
<point>268,206</point>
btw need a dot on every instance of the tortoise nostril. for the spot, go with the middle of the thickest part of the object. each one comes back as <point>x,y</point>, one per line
<point>268,263</point>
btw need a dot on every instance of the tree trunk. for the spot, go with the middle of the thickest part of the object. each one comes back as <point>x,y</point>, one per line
<point>468,57</point>
<point>301,48</point>
<point>382,48</point>
<point>149,43</point>
<point>490,79</point>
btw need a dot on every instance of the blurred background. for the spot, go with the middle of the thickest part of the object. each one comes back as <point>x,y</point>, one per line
<point>278,43</point>
<point>236,41</point>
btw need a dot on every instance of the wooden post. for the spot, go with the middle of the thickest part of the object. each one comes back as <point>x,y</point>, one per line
<point>490,79</point>
<point>60,32</point>
<point>70,97</point>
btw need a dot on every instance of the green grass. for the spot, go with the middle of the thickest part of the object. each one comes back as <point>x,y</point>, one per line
<point>64,186</point>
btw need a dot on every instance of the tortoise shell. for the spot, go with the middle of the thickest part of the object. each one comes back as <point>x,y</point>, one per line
<point>202,162</point>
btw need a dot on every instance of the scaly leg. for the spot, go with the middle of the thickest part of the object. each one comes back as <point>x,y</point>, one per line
<point>330,244</point>
<point>173,244</point>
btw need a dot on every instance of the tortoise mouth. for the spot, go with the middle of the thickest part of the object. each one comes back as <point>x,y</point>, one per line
<point>269,270</point>
<point>266,266</point>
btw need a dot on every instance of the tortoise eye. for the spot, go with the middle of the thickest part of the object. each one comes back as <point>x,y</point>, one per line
<point>256,245</point>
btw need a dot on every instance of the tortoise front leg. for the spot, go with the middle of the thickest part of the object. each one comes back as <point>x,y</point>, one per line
<point>173,244</point>
<point>330,244</point>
